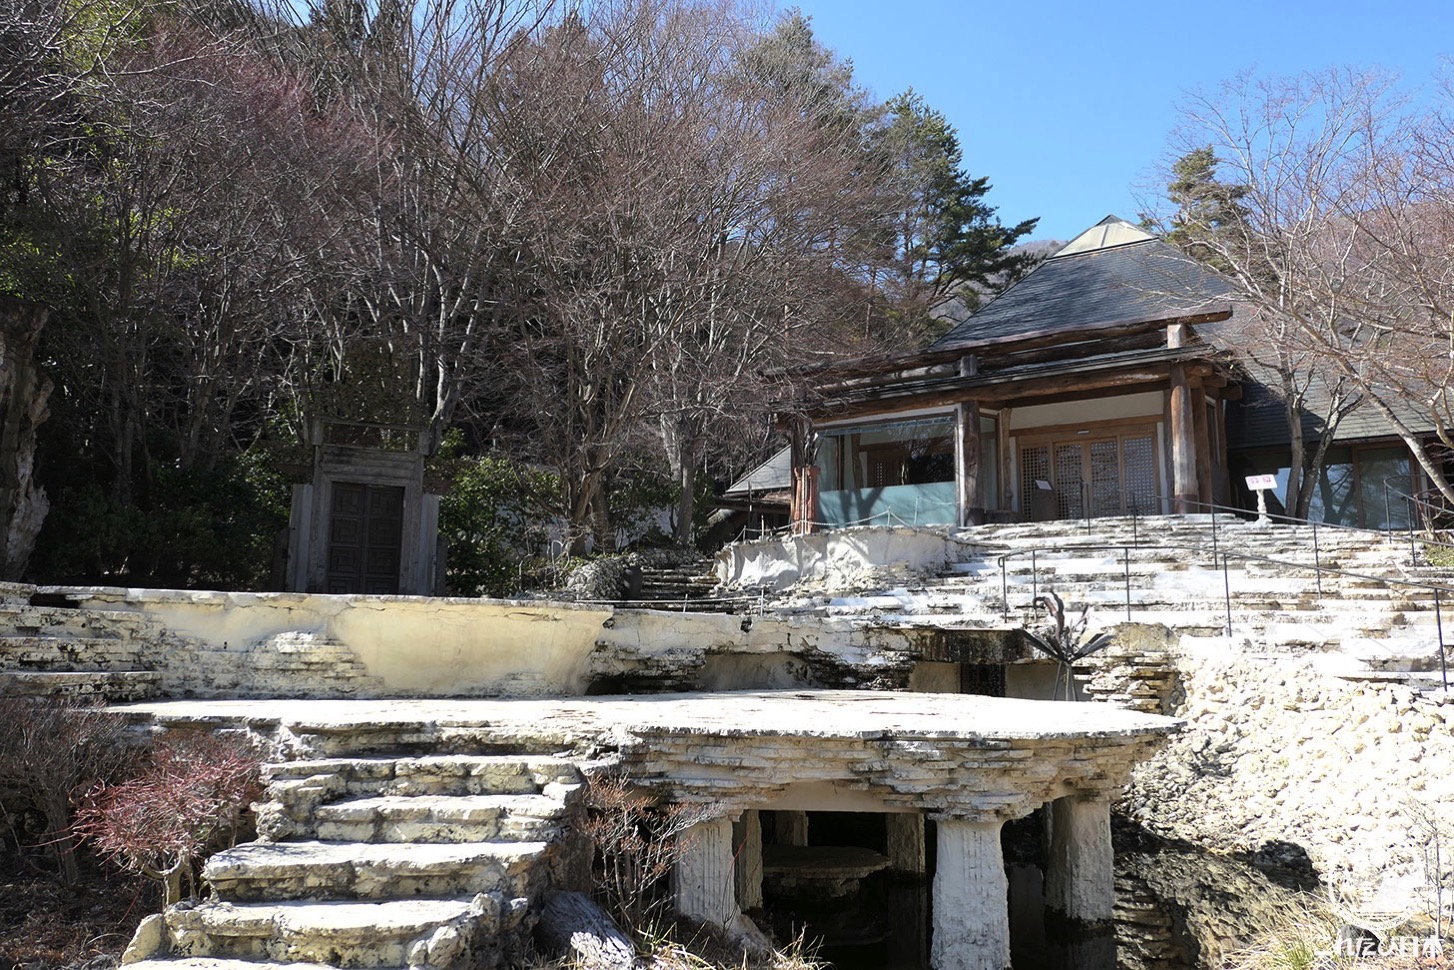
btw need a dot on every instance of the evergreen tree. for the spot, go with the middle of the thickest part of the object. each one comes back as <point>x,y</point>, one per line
<point>1210,223</point>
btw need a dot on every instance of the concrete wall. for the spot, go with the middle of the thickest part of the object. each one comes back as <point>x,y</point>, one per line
<point>223,644</point>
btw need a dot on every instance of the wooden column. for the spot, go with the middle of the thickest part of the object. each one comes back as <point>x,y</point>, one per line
<point>1184,487</point>
<point>1203,444</point>
<point>803,506</point>
<point>1221,477</point>
<point>966,463</point>
<point>966,452</point>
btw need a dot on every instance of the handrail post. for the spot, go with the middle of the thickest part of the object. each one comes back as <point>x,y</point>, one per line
<point>1387,509</point>
<point>1034,578</point>
<point>1413,555</point>
<point>1004,590</point>
<point>1127,551</point>
<point>1214,541</point>
<point>1227,592</point>
<point>1135,533</point>
<point>1317,561</point>
<point>1085,506</point>
<point>1439,622</point>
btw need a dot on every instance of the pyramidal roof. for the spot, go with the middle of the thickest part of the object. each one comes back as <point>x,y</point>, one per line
<point>1109,232</point>
<point>1114,273</point>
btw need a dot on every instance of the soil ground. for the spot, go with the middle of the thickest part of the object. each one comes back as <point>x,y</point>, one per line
<point>47,926</point>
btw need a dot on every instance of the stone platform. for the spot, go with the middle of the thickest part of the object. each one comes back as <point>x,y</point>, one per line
<point>966,762</point>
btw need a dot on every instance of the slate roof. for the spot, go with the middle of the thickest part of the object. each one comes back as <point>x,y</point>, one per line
<point>1123,276</point>
<point>773,475</point>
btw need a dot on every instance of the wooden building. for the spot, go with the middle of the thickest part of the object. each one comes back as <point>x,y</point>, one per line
<point>1106,381</point>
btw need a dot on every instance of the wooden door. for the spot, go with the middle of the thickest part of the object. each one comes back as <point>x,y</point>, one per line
<point>1113,475</point>
<point>365,538</point>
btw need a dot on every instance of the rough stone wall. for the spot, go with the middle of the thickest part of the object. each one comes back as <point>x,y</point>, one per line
<point>1279,758</point>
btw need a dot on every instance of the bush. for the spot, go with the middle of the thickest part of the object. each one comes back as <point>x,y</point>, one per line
<point>195,529</point>
<point>51,751</point>
<point>188,802</point>
<point>637,843</point>
<point>496,519</point>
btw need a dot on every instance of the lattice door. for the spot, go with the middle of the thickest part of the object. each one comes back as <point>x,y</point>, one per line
<point>1105,478</point>
<point>1138,458</point>
<point>1034,463</point>
<point>1069,467</point>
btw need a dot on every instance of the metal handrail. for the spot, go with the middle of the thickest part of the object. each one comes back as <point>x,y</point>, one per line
<point>1439,590</point>
<point>1284,519</point>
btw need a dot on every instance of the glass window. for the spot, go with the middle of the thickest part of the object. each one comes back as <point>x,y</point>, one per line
<point>1383,479</point>
<point>917,452</point>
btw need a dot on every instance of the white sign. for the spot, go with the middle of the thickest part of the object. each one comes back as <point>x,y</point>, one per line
<point>1042,484</point>
<point>1259,482</point>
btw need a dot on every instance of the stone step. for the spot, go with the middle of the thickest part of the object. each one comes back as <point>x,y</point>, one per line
<point>114,686</point>
<point>441,819</point>
<point>423,775</point>
<point>392,933</point>
<point>353,870</point>
<point>46,652</point>
<point>62,621</point>
<point>220,963</point>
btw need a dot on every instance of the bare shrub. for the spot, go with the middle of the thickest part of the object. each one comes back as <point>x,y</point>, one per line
<point>189,800</point>
<point>51,751</point>
<point>638,840</point>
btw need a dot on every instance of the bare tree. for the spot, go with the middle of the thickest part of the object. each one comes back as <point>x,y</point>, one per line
<point>1339,258</point>
<point>681,220</point>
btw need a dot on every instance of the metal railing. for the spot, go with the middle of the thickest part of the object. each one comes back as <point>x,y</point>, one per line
<point>1222,559</point>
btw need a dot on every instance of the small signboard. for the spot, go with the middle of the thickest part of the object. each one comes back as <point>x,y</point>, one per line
<point>1259,482</point>
<point>1042,484</point>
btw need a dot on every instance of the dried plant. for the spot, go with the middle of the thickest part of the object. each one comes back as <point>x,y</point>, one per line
<point>51,750</point>
<point>638,840</point>
<point>1064,640</point>
<point>189,799</point>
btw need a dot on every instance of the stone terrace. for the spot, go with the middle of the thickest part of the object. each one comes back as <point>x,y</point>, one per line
<point>421,833</point>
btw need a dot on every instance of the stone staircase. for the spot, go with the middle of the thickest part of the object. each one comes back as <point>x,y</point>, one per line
<point>377,859</point>
<point>1173,567</point>
<point>48,647</point>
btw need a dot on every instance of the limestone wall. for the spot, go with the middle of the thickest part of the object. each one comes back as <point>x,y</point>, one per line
<point>1279,757</point>
<point>300,645</point>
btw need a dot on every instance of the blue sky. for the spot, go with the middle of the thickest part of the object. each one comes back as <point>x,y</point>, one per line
<point>1068,106</point>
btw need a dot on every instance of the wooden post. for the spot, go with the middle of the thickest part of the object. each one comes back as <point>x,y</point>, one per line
<point>966,463</point>
<point>1203,443</point>
<point>1221,479</point>
<point>1183,444</point>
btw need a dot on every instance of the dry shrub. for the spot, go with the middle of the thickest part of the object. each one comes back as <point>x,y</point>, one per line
<point>189,800</point>
<point>638,841</point>
<point>51,751</point>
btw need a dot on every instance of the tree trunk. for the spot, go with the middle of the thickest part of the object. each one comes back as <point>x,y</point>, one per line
<point>24,395</point>
<point>1298,494</point>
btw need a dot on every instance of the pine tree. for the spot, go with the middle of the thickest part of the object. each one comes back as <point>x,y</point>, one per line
<point>1211,222</point>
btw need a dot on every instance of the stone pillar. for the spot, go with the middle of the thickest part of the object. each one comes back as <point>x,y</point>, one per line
<point>703,877</point>
<point>747,850</point>
<point>790,828</point>
<point>971,898</point>
<point>906,842</point>
<point>1184,485</point>
<point>1080,880</point>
